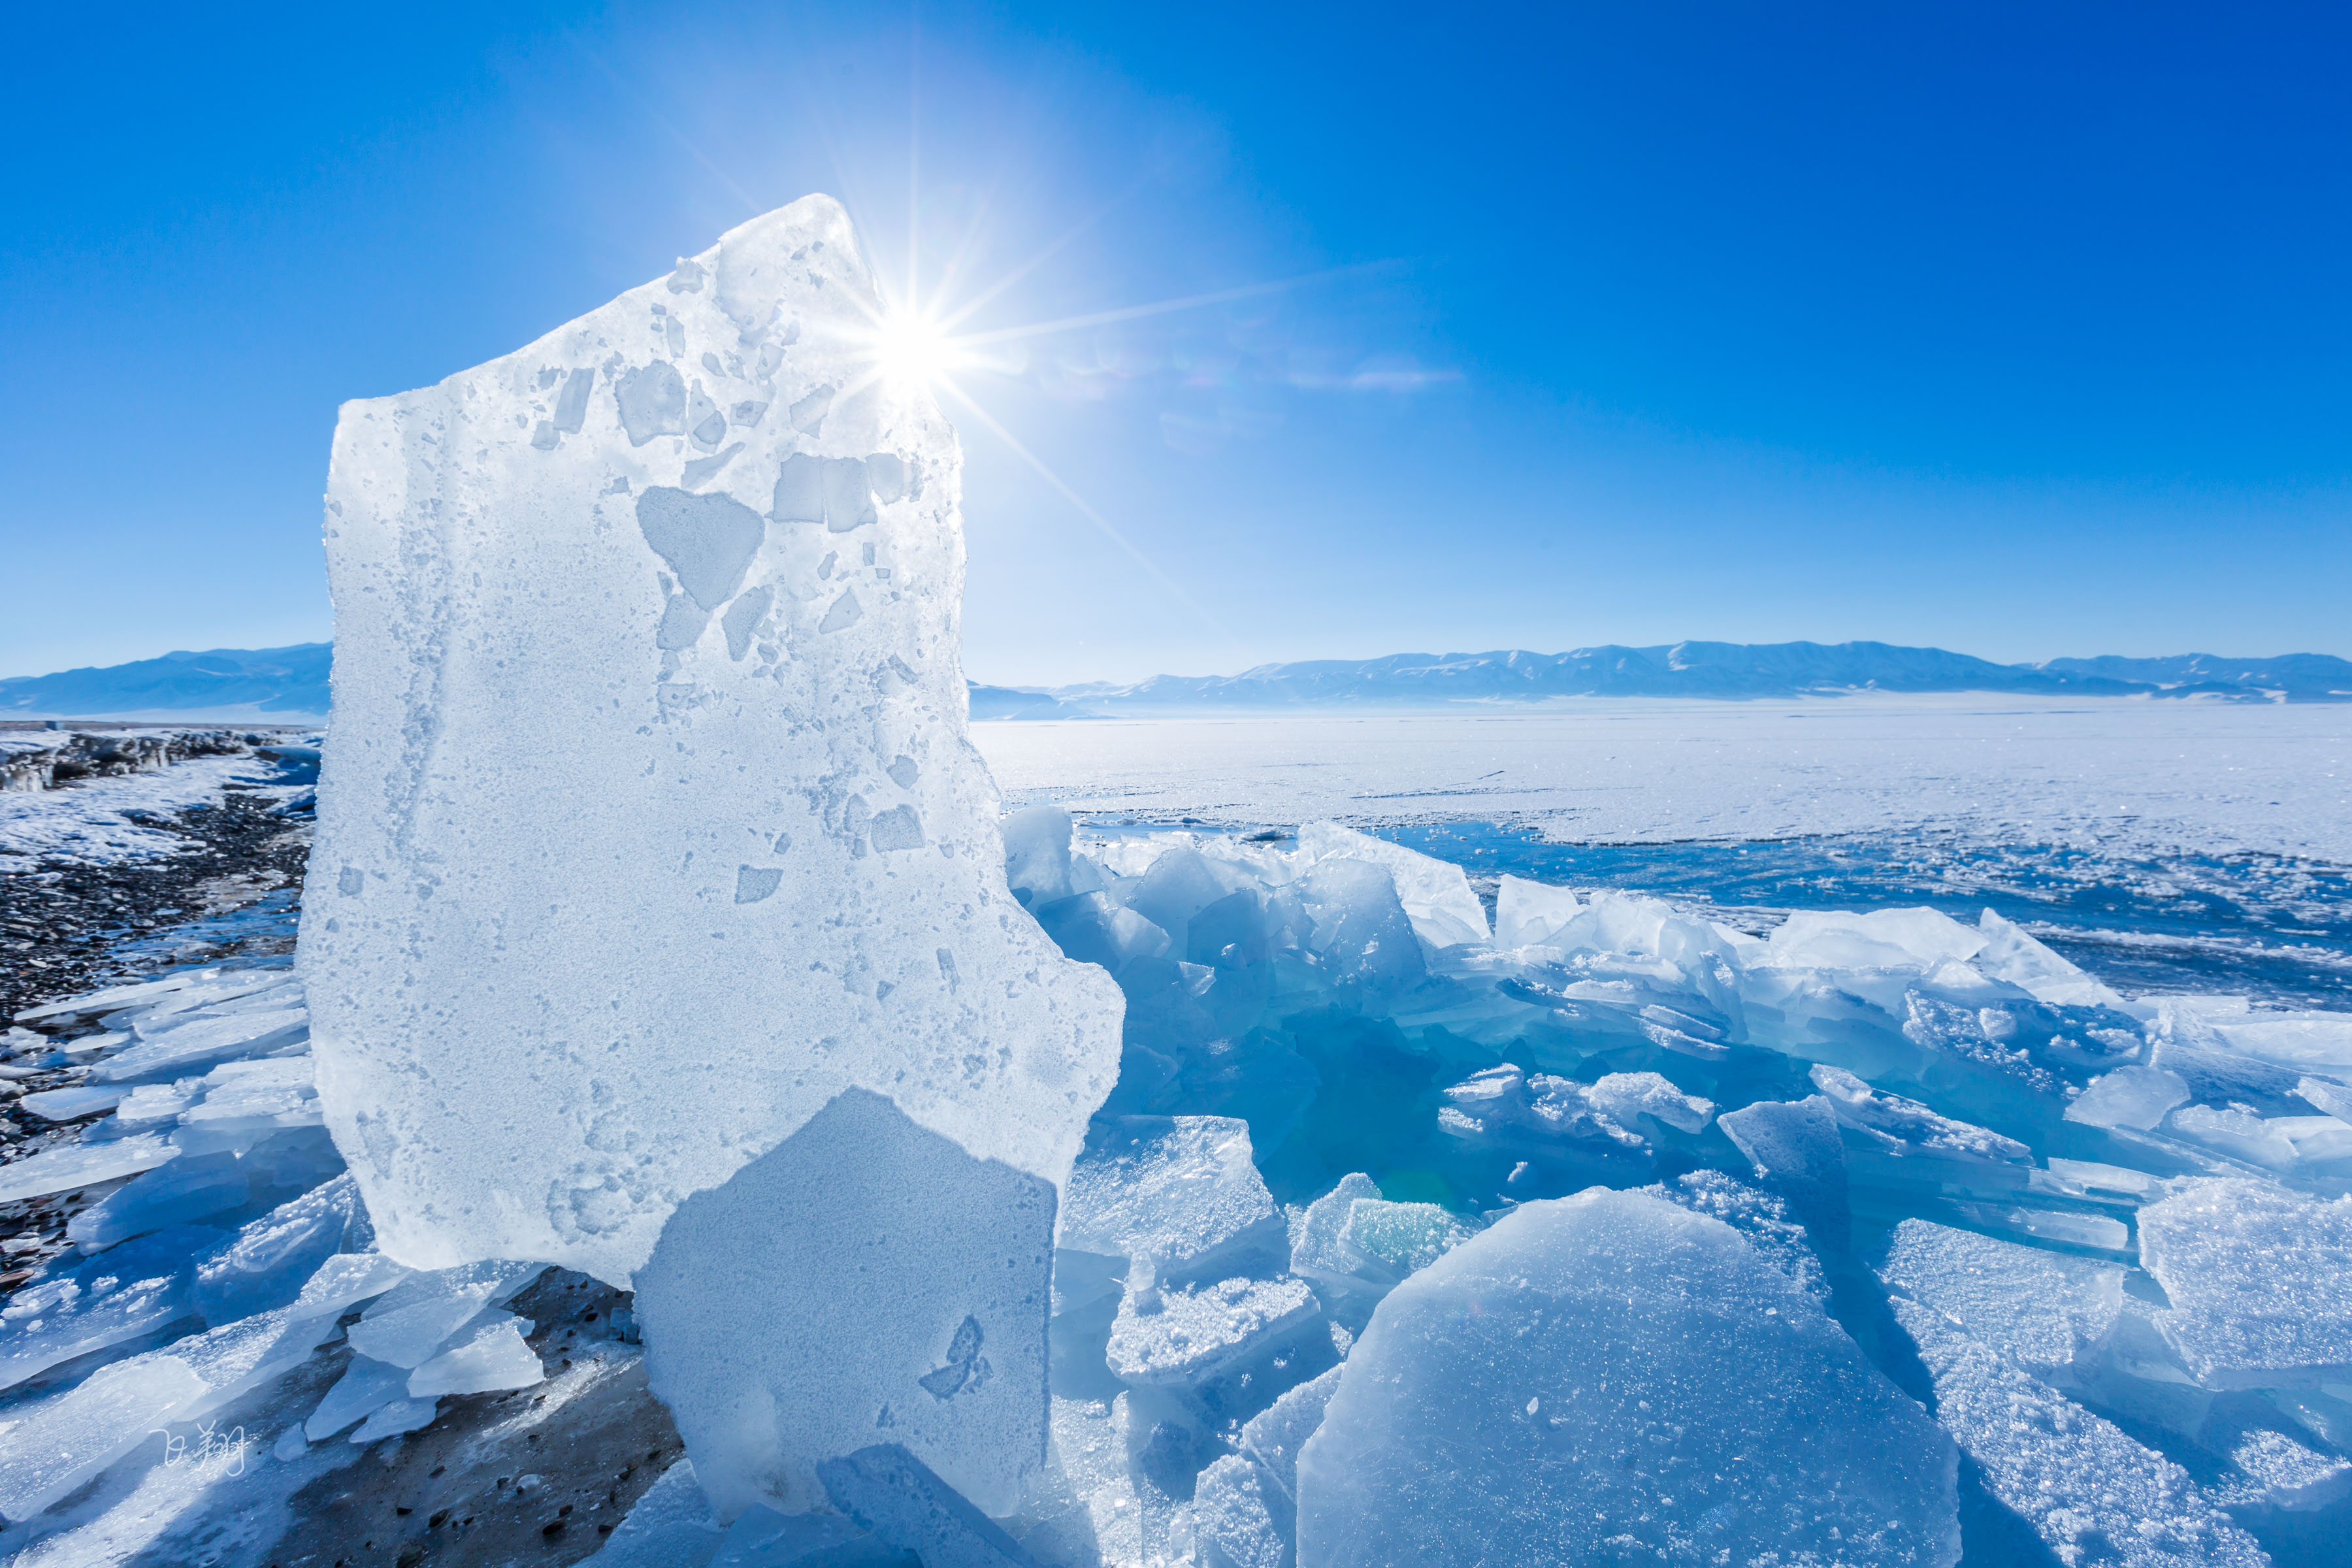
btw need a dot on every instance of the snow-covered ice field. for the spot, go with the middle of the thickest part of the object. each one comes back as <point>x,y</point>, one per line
<point>2122,774</point>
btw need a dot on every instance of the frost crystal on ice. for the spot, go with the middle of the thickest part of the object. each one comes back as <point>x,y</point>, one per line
<point>649,757</point>
<point>1177,1337</point>
<point>1231,1520</point>
<point>1180,1191</point>
<point>2260,1279</point>
<point>2089,1490</point>
<point>2040,1308</point>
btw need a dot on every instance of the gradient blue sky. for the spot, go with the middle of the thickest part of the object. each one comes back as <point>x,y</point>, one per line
<point>2019,330</point>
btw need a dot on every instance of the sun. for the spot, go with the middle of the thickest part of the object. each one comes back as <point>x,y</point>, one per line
<point>912,350</point>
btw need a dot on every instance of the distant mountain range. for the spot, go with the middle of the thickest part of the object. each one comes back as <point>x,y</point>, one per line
<point>1712,669</point>
<point>288,685</point>
<point>269,685</point>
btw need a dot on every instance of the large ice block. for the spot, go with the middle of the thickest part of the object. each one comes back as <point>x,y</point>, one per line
<point>649,824</point>
<point>1612,1376</point>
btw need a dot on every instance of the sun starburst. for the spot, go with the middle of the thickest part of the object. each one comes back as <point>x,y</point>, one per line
<point>917,344</point>
<point>913,352</point>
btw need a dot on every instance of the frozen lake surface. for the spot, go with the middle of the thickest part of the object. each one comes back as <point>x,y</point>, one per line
<point>2163,846</point>
<point>1378,1090</point>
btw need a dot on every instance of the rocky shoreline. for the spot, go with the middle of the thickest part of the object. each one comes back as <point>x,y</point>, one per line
<point>67,927</point>
<point>62,924</point>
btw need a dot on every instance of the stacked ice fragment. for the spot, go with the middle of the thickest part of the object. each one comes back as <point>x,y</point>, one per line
<point>2133,1324</point>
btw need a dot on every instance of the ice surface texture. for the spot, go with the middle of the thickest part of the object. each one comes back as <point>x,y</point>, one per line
<point>1660,1388</point>
<point>671,1526</point>
<point>2040,1308</point>
<point>648,824</point>
<point>890,1492</point>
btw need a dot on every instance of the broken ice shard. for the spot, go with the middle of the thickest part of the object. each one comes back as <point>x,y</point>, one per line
<point>864,1281</point>
<point>127,1292</point>
<point>2089,1489</point>
<point>648,824</point>
<point>2260,1279</point>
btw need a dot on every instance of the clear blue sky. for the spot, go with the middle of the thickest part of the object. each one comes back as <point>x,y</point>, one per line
<point>2021,330</point>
